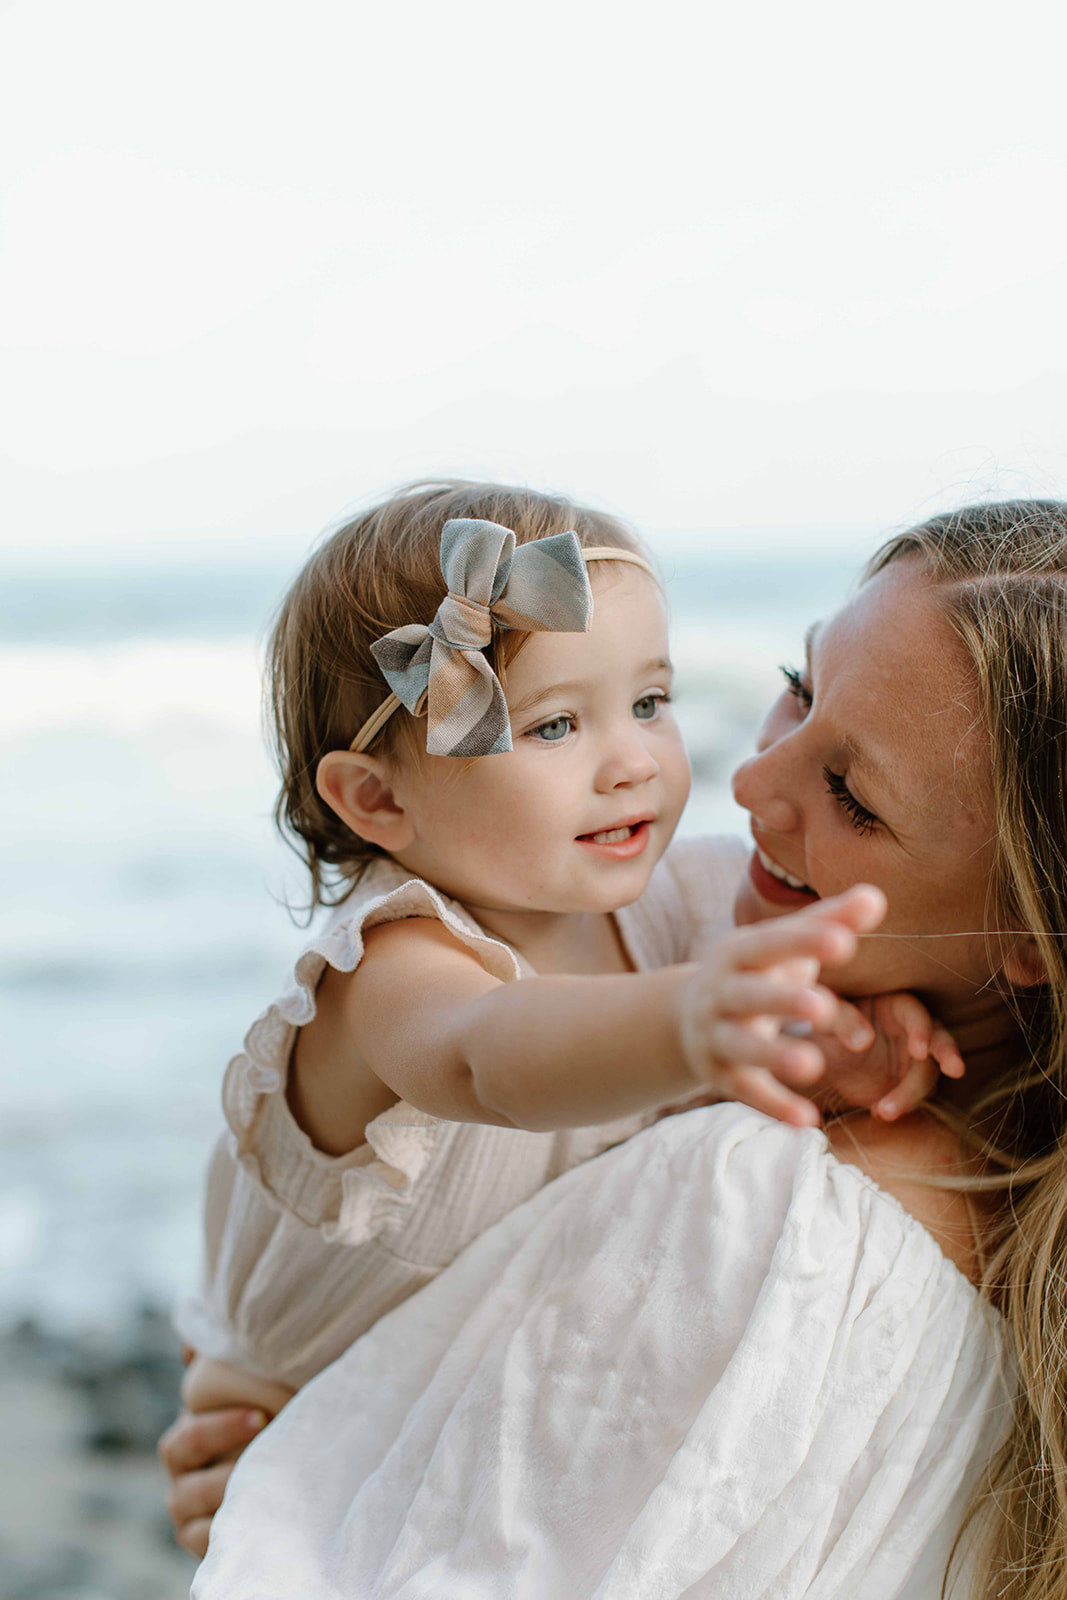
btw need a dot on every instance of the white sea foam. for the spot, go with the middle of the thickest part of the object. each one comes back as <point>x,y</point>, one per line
<point>129,686</point>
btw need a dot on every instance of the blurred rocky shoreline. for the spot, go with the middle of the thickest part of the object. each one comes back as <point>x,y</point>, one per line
<point>82,1513</point>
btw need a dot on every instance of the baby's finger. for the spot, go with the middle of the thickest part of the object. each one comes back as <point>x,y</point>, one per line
<point>825,931</point>
<point>759,1089</point>
<point>753,994</point>
<point>735,1045</point>
<point>860,908</point>
<point>802,971</point>
<point>944,1050</point>
<point>904,1014</point>
<point>801,936</point>
<point>916,1083</point>
<point>847,1023</point>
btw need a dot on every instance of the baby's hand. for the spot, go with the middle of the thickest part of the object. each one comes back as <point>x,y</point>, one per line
<point>758,978</point>
<point>885,1054</point>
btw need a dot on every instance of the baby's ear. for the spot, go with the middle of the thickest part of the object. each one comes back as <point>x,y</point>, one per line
<point>359,789</point>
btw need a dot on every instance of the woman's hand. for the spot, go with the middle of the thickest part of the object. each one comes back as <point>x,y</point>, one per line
<point>224,1408</point>
<point>763,976</point>
<point>901,1055</point>
<point>199,1450</point>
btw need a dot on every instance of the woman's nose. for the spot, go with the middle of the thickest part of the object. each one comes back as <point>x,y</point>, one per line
<point>754,788</point>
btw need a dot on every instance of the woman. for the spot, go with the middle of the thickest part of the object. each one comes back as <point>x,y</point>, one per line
<point>798,1395</point>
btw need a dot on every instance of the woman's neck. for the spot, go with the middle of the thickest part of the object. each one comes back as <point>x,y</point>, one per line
<point>987,1037</point>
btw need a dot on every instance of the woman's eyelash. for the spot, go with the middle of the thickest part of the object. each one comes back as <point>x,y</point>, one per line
<point>863,821</point>
<point>796,686</point>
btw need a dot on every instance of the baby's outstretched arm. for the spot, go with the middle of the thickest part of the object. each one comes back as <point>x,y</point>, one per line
<point>421,1019</point>
<point>429,1023</point>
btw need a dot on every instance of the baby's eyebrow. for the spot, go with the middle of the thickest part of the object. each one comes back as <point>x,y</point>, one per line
<point>544,692</point>
<point>551,691</point>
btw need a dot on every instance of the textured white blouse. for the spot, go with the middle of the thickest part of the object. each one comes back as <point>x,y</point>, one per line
<point>305,1251</point>
<point>714,1363</point>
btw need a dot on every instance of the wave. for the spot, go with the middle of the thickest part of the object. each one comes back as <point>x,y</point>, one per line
<point>131,685</point>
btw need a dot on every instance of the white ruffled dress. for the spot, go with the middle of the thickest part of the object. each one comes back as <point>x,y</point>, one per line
<point>716,1363</point>
<point>305,1251</point>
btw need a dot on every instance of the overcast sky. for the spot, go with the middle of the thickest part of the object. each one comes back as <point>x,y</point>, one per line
<point>727,269</point>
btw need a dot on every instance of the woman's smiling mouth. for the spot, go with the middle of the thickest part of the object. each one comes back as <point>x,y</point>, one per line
<point>772,882</point>
<point>779,872</point>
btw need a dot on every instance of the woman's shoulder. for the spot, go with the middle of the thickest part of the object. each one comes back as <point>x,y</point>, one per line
<point>855,1198</point>
<point>915,1161</point>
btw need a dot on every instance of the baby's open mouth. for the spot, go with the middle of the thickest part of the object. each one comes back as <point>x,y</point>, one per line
<point>617,835</point>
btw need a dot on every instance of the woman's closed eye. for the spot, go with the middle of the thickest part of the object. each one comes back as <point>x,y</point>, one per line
<point>862,820</point>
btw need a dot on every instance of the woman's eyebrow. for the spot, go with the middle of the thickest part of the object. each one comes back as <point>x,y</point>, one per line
<point>859,757</point>
<point>873,769</point>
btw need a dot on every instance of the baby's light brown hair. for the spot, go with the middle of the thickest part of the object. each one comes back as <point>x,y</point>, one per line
<point>380,571</point>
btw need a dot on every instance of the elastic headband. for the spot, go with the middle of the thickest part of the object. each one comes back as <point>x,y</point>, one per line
<point>439,670</point>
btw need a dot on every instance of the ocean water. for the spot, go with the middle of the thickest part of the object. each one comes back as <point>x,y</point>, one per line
<point>144,921</point>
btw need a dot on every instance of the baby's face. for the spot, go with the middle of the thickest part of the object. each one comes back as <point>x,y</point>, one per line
<point>577,814</point>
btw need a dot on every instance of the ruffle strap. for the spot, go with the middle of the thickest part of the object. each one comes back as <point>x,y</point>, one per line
<point>354,1196</point>
<point>404,1141</point>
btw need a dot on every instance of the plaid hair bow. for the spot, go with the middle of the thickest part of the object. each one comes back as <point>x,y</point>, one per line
<point>538,587</point>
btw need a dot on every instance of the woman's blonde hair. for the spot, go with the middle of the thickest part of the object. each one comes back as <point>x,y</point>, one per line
<point>1003,571</point>
<point>380,571</point>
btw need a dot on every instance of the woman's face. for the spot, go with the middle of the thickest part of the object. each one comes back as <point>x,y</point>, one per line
<point>873,767</point>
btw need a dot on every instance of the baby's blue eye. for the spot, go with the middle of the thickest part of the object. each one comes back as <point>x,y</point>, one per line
<point>645,708</point>
<point>555,730</point>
